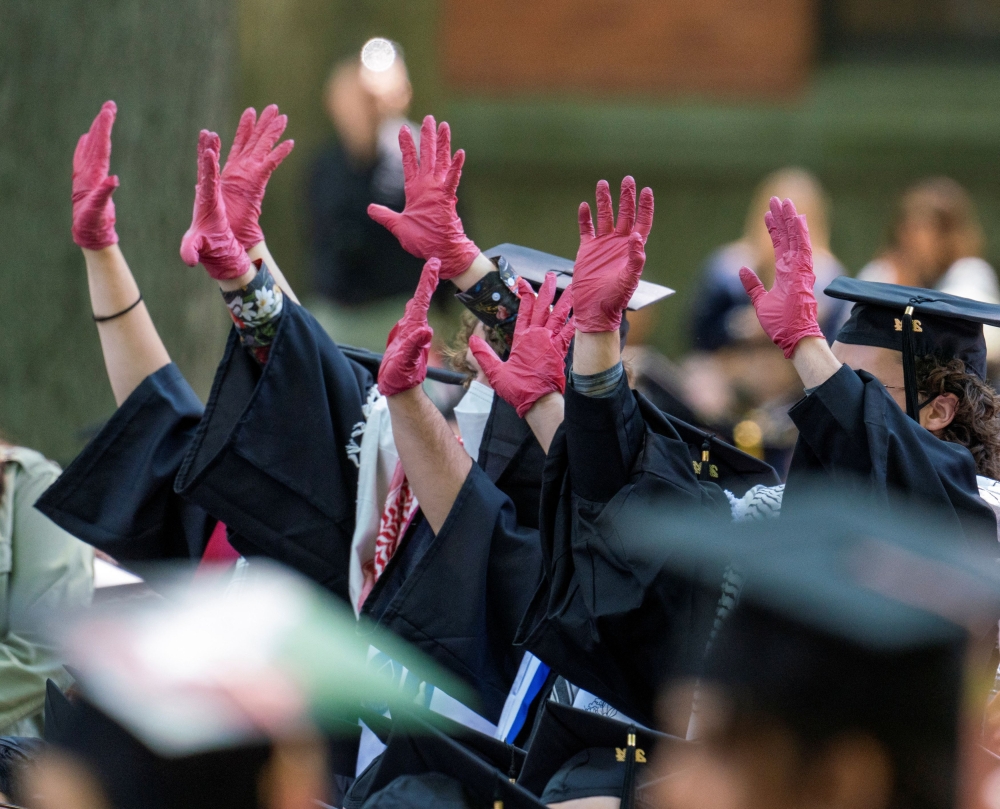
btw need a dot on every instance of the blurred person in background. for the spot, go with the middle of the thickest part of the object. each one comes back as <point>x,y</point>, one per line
<point>936,242</point>
<point>736,381</point>
<point>362,275</point>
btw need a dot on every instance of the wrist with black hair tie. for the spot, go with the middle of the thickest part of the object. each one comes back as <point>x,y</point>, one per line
<point>124,311</point>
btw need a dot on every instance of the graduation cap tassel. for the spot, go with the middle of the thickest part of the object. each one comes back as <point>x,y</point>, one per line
<point>512,770</point>
<point>628,784</point>
<point>706,454</point>
<point>497,796</point>
<point>909,366</point>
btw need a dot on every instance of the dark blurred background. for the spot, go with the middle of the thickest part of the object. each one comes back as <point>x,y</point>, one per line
<point>698,100</point>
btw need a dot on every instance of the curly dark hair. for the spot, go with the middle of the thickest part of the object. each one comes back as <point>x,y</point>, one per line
<point>976,425</point>
<point>455,353</point>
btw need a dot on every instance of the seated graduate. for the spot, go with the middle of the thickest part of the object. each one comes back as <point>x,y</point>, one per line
<point>847,674</point>
<point>118,495</point>
<point>899,402</point>
<point>601,618</point>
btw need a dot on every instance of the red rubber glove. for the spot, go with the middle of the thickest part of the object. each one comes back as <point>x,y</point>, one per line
<point>537,362</point>
<point>788,312</point>
<point>429,224</point>
<point>210,240</point>
<point>252,159</point>
<point>93,209</point>
<point>609,263</point>
<point>404,364</point>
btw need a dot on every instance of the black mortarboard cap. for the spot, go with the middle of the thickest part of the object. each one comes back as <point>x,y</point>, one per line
<point>416,749</point>
<point>579,754</point>
<point>916,322</point>
<point>532,265</point>
<point>849,619</point>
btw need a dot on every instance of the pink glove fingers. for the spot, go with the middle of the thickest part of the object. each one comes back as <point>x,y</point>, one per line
<point>565,336</point>
<point>428,145</point>
<point>442,160</point>
<point>386,217</point>
<point>93,209</point>
<point>752,284</point>
<point>409,150</point>
<point>425,287</point>
<point>526,307</point>
<point>281,151</point>
<point>644,217</point>
<point>244,129</point>
<point>626,207</point>
<point>546,293</point>
<point>563,306</point>
<point>429,224</point>
<point>605,211</point>
<point>608,265</point>
<point>586,222</point>
<point>454,173</point>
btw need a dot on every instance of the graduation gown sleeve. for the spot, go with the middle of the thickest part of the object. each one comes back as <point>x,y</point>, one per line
<point>118,494</point>
<point>458,596</point>
<point>605,616</point>
<point>275,455</point>
<point>853,434</point>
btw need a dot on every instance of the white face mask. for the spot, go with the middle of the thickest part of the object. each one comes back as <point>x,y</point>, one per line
<point>472,413</point>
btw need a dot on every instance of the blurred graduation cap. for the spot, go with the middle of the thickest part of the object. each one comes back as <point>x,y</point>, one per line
<point>212,667</point>
<point>421,766</point>
<point>916,322</point>
<point>849,619</point>
<point>578,754</point>
<point>532,265</point>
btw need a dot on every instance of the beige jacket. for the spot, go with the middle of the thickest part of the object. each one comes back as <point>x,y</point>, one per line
<point>42,568</point>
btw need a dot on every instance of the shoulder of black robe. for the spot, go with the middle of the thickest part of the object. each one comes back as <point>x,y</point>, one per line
<point>458,596</point>
<point>852,433</point>
<point>513,459</point>
<point>118,494</point>
<point>606,615</point>
<point>275,455</point>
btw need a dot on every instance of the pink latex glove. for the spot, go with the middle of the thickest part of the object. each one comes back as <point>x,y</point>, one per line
<point>404,364</point>
<point>93,208</point>
<point>429,224</point>
<point>788,312</point>
<point>252,159</point>
<point>609,263</point>
<point>537,362</point>
<point>210,240</point>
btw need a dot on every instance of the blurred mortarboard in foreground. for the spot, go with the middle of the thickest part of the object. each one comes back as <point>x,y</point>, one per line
<point>849,619</point>
<point>916,322</point>
<point>421,767</point>
<point>578,754</point>
<point>214,666</point>
<point>532,265</point>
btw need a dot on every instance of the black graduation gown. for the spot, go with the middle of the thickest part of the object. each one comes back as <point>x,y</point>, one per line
<point>854,435</point>
<point>274,456</point>
<point>606,616</point>
<point>118,494</point>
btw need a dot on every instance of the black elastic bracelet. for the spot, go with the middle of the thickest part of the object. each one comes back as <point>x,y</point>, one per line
<point>124,311</point>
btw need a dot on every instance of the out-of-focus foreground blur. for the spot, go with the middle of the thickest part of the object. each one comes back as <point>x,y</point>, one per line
<point>698,100</point>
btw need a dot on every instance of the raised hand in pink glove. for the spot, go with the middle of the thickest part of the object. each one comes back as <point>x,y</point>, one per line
<point>537,362</point>
<point>429,224</point>
<point>252,159</point>
<point>609,262</point>
<point>788,312</point>
<point>93,208</point>
<point>210,240</point>
<point>404,364</point>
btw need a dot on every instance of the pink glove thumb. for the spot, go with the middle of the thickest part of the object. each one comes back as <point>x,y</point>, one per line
<point>487,358</point>
<point>386,217</point>
<point>404,365</point>
<point>752,284</point>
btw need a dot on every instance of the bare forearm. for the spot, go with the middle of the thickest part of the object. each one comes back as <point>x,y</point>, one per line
<point>545,417</point>
<point>479,269</point>
<point>814,361</point>
<point>435,463</point>
<point>132,347</point>
<point>260,251</point>
<point>596,352</point>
